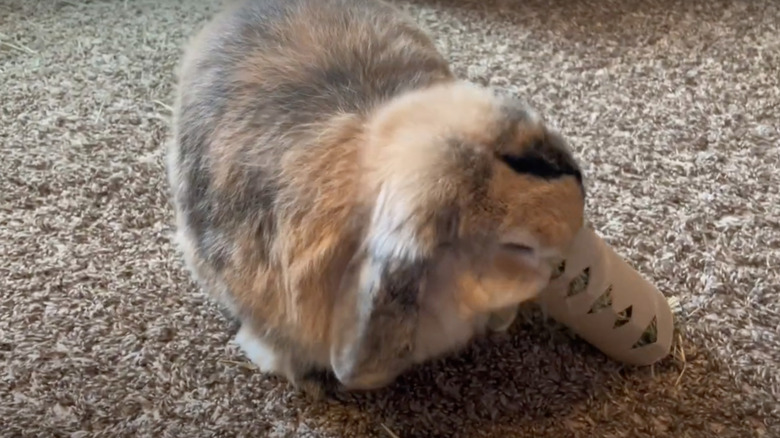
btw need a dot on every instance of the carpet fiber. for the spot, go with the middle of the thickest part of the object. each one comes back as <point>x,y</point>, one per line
<point>672,107</point>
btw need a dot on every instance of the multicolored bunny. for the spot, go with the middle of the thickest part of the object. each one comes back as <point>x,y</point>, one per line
<point>354,205</point>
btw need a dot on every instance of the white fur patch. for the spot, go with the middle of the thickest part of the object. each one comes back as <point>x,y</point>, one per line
<point>262,355</point>
<point>392,237</point>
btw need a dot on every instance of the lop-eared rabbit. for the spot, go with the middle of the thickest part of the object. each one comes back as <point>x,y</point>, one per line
<point>356,207</point>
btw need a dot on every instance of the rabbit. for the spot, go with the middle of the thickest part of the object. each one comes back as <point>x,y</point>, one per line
<point>355,206</point>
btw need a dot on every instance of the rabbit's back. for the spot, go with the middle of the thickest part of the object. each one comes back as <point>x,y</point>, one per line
<point>264,162</point>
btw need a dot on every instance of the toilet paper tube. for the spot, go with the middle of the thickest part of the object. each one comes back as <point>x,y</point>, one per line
<point>606,302</point>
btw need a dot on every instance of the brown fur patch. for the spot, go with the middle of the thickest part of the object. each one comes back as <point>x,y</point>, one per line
<point>551,210</point>
<point>313,246</point>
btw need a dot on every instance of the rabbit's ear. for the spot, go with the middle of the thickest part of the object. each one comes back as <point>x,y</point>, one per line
<point>375,324</point>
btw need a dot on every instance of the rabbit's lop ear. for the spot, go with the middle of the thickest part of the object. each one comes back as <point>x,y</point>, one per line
<point>376,322</point>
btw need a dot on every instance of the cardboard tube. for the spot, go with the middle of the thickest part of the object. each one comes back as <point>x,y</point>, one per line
<point>609,329</point>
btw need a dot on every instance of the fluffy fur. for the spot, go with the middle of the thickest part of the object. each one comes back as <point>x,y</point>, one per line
<point>354,205</point>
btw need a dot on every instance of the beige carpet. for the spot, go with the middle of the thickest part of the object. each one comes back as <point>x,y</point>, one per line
<point>673,107</point>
